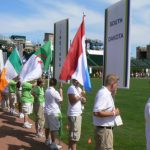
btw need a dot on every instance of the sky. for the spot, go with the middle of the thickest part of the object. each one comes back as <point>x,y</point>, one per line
<point>33,18</point>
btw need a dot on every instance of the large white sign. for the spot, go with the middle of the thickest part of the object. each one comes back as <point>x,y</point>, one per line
<point>60,45</point>
<point>116,44</point>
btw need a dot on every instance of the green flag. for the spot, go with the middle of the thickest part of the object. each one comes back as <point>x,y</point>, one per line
<point>45,52</point>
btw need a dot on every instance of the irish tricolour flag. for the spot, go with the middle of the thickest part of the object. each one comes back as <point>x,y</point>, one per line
<point>11,69</point>
<point>75,64</point>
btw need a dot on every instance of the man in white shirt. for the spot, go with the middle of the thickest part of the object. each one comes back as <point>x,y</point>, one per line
<point>147,124</point>
<point>104,113</point>
<point>52,113</point>
<point>75,100</point>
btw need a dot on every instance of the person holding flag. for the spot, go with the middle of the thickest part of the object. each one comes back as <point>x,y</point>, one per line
<point>10,71</point>
<point>75,101</point>
<point>27,100</point>
<point>52,111</point>
<point>75,67</point>
<point>75,64</point>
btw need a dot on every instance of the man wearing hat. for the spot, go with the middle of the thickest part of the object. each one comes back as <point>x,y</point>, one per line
<point>104,113</point>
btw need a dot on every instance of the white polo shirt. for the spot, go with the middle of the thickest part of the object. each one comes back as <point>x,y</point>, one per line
<point>76,109</point>
<point>52,99</point>
<point>103,102</point>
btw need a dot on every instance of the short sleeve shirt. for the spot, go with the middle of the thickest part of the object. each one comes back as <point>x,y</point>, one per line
<point>103,102</point>
<point>76,109</point>
<point>52,99</point>
<point>27,97</point>
<point>38,93</point>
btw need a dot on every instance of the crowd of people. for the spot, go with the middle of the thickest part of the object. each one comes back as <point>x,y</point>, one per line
<point>31,97</point>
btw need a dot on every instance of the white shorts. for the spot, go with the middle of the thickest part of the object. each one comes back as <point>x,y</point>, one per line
<point>52,122</point>
<point>27,108</point>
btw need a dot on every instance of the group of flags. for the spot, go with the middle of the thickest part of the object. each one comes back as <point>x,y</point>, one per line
<point>74,67</point>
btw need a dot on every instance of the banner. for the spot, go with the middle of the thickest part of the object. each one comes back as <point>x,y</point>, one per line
<point>116,42</point>
<point>60,45</point>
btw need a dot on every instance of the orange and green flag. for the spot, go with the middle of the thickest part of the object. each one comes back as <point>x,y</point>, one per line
<point>11,69</point>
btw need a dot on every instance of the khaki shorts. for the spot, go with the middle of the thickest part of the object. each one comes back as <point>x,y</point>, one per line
<point>52,122</point>
<point>103,139</point>
<point>74,123</point>
<point>27,108</point>
<point>39,114</point>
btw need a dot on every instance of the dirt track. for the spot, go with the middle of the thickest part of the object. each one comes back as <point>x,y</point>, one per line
<point>14,137</point>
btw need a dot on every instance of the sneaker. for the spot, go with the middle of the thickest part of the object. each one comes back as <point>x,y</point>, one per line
<point>54,146</point>
<point>40,135</point>
<point>21,115</point>
<point>10,110</point>
<point>14,112</point>
<point>48,142</point>
<point>26,125</point>
<point>58,146</point>
<point>29,123</point>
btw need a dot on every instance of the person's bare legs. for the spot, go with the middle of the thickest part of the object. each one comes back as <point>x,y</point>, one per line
<point>47,134</point>
<point>26,118</point>
<point>53,136</point>
<point>72,145</point>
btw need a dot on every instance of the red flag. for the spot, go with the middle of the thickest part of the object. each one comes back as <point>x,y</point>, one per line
<point>75,65</point>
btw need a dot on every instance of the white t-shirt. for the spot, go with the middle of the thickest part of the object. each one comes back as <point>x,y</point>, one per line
<point>103,102</point>
<point>76,109</point>
<point>52,99</point>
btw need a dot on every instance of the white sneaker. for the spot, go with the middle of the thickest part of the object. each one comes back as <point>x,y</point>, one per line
<point>40,135</point>
<point>11,110</point>
<point>48,142</point>
<point>21,115</point>
<point>26,125</point>
<point>54,146</point>
<point>58,146</point>
<point>29,123</point>
<point>14,112</point>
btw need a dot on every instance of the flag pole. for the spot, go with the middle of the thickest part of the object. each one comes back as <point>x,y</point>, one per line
<point>48,76</point>
<point>49,70</point>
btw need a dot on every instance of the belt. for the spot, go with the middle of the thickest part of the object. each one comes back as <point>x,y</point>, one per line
<point>105,127</point>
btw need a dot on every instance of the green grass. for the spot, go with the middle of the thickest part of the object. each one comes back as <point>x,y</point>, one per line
<point>131,102</point>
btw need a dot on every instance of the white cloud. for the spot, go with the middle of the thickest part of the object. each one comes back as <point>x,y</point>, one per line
<point>140,34</point>
<point>46,14</point>
<point>139,4</point>
<point>110,1</point>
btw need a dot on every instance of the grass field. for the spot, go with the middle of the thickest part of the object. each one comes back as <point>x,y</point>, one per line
<point>130,136</point>
<point>131,102</point>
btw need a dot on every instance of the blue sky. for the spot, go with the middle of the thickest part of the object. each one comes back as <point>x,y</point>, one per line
<point>35,17</point>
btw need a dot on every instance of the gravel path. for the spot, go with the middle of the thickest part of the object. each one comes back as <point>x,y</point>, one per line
<point>14,137</point>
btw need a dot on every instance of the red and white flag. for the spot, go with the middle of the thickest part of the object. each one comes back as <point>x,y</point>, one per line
<point>75,64</point>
